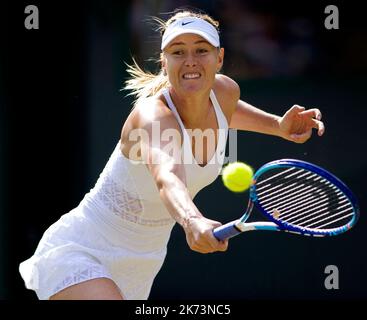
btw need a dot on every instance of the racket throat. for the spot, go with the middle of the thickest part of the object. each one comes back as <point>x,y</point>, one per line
<point>240,226</point>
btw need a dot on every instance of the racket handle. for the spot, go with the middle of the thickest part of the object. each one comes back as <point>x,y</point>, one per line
<point>227,231</point>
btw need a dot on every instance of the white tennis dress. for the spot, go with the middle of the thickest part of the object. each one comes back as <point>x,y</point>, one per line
<point>121,228</point>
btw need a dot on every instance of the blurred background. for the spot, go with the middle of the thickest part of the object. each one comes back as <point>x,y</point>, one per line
<point>62,112</point>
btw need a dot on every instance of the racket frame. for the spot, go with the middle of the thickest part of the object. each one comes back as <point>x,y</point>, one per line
<point>236,227</point>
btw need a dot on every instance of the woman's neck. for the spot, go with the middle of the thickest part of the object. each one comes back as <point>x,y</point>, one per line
<point>193,109</point>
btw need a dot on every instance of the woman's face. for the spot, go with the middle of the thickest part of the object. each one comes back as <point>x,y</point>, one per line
<point>191,63</point>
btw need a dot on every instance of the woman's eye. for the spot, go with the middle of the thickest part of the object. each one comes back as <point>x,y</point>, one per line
<point>178,52</point>
<point>201,51</point>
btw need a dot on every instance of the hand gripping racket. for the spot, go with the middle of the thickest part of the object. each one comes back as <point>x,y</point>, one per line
<point>298,197</point>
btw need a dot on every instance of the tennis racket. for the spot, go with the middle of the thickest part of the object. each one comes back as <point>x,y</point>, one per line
<point>298,197</point>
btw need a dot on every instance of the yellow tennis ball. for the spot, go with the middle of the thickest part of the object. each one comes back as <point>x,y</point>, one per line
<point>237,176</point>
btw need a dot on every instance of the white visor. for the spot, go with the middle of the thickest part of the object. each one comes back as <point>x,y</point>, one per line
<point>191,25</point>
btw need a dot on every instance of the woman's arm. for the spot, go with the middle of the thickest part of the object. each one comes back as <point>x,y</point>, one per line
<point>170,178</point>
<point>249,118</point>
<point>162,156</point>
<point>295,125</point>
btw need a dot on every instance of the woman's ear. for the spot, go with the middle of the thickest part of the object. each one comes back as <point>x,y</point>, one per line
<point>220,59</point>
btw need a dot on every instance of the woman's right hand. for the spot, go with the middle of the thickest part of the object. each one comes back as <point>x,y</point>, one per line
<point>199,235</point>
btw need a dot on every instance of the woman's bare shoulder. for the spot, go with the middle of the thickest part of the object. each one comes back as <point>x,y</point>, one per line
<point>227,92</point>
<point>150,117</point>
<point>226,83</point>
<point>149,111</point>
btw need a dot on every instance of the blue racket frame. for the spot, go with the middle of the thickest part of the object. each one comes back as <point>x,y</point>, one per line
<point>236,227</point>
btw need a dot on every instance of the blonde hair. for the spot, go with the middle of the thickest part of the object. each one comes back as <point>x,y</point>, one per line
<point>144,84</point>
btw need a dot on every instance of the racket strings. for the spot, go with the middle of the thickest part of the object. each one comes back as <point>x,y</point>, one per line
<point>288,189</point>
<point>305,216</point>
<point>306,198</point>
<point>287,192</point>
<point>259,183</point>
<point>290,185</point>
<point>303,198</point>
<point>307,202</point>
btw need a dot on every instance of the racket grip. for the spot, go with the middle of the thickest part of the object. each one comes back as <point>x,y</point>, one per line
<point>226,231</point>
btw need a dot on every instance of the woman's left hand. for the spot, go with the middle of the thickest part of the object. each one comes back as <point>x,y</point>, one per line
<point>297,123</point>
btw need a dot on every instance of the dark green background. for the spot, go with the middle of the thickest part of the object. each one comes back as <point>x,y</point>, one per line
<point>61,116</point>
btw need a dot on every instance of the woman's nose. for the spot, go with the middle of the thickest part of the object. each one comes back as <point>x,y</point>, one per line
<point>190,60</point>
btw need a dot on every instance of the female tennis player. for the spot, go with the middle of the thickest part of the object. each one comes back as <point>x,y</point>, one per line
<point>112,245</point>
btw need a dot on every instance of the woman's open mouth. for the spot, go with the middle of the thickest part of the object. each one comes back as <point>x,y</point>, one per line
<point>191,75</point>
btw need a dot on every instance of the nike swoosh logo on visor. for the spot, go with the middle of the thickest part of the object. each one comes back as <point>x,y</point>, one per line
<point>185,23</point>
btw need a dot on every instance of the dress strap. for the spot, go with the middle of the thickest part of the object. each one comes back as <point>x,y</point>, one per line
<point>222,120</point>
<point>173,109</point>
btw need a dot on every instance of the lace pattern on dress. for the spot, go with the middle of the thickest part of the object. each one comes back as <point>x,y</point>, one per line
<point>80,275</point>
<point>119,194</point>
<point>126,205</point>
<point>118,200</point>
